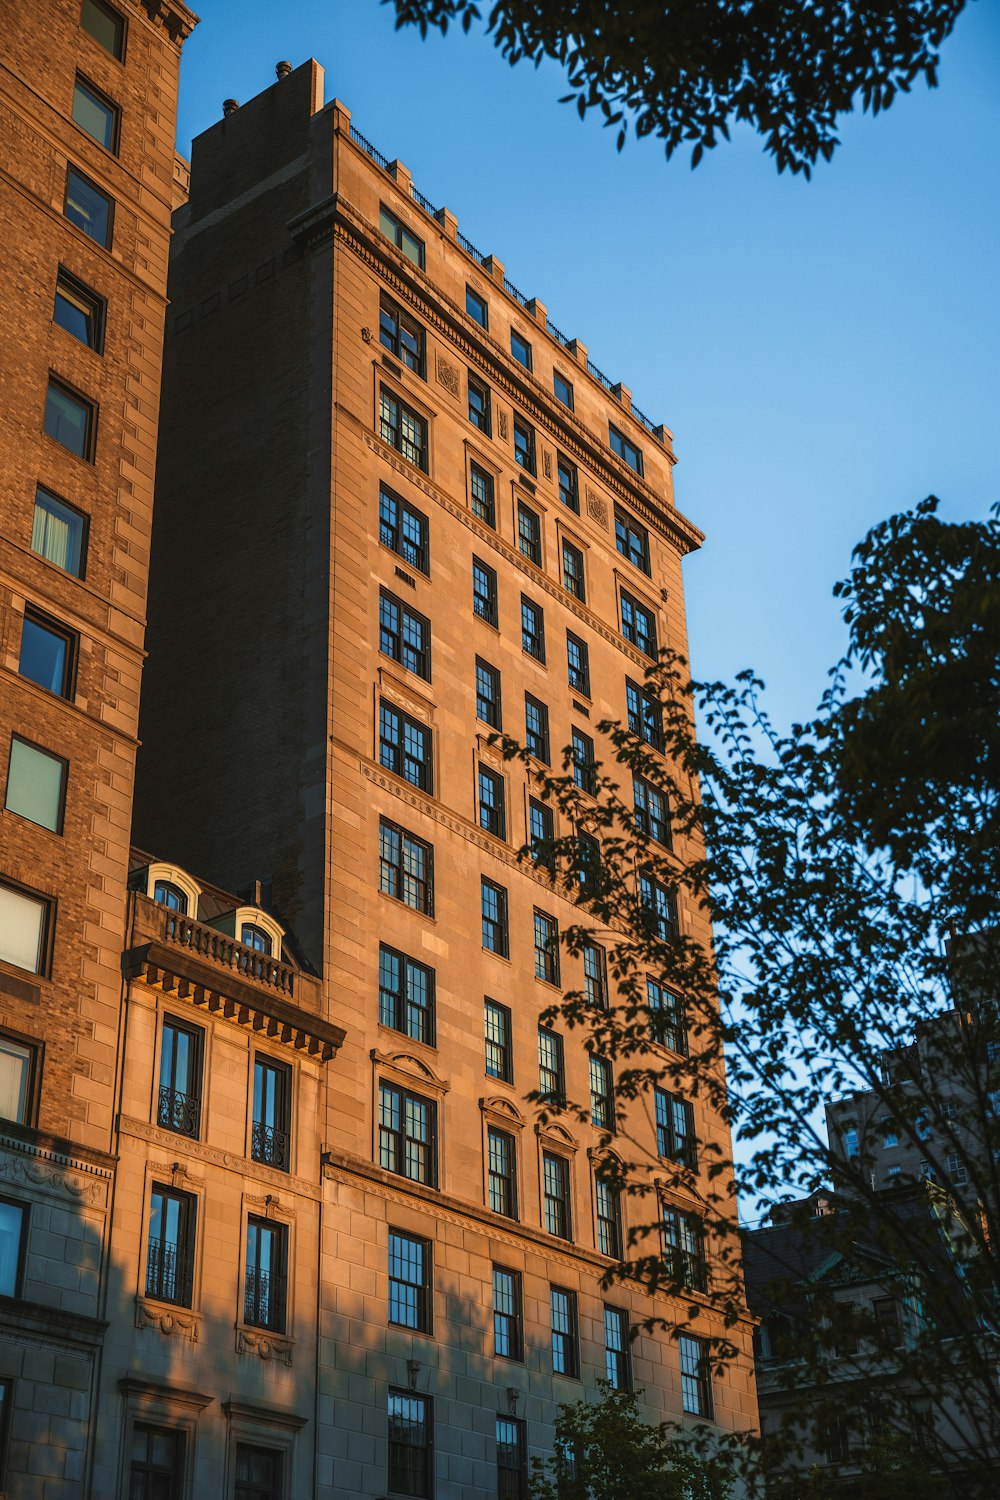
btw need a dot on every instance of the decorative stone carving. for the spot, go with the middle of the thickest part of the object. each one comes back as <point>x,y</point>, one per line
<point>597,509</point>
<point>33,1172</point>
<point>502,420</point>
<point>182,1324</point>
<point>447,375</point>
<point>366,335</point>
<point>266,1346</point>
<point>546,463</point>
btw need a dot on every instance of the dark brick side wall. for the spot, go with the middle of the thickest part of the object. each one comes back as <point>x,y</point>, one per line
<point>240,536</point>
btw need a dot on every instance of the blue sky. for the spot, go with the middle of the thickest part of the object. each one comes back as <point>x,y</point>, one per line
<point>824,352</point>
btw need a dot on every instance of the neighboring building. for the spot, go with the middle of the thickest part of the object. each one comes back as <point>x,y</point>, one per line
<point>88,101</point>
<point>397,511</point>
<point>870,1347</point>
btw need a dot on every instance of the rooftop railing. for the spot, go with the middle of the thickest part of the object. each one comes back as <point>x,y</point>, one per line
<point>209,943</point>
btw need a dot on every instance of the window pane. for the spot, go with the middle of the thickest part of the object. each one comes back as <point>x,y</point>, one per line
<point>88,208</point>
<point>15,1079</point>
<point>35,785</point>
<point>94,115</point>
<point>12,1218</point>
<point>57,533</point>
<point>476,307</point>
<point>22,929</point>
<point>104,25</point>
<point>67,420</point>
<point>44,656</point>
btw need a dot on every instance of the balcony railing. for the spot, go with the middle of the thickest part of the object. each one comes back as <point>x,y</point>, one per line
<point>168,1273</point>
<point>178,1112</point>
<point>264,1300</point>
<point>269,1145</point>
<point>227,952</point>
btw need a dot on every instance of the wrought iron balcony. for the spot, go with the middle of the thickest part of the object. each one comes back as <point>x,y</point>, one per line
<point>269,1145</point>
<point>264,1300</point>
<point>169,1273</point>
<point>179,1112</point>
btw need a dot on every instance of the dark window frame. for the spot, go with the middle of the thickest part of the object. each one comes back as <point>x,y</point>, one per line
<point>658,906</point>
<point>532,639</point>
<point>492,808</point>
<point>696,1376</point>
<point>608,1216</point>
<point>551,1068</point>
<point>644,714</point>
<point>392,432</point>
<point>401,334</point>
<point>652,820</point>
<point>103,101</point>
<point>499,1061</point>
<point>23,1208</point>
<point>632,540</point>
<point>73,171</point>
<point>147,1468</point>
<point>271,1124</point>
<point>525,452</point>
<point>481,315</point>
<point>179,1110</point>
<point>118,22</point>
<point>574,577</point>
<point>567,1361</point>
<point>394,534</point>
<point>480,416</point>
<point>684,1247</point>
<point>625,449</point>
<point>395,640</point>
<point>397,1009</point>
<point>569,483</point>
<point>421,1295</point>
<point>568,400</point>
<point>400,231</point>
<point>617,1348</point>
<point>395,1142</point>
<point>160,1280</point>
<point>541,833</point>
<point>57,503</point>
<point>557,1207</point>
<point>584,761</point>
<point>91,413</point>
<point>491,701</point>
<point>53,627</point>
<point>536,729</point>
<point>483,505</point>
<point>498,926</point>
<point>546,947</point>
<point>602,1098</point>
<point>394,754</point>
<point>667,1019</point>
<point>61,761</point>
<point>484,601</point>
<point>261,1307</point>
<point>91,304</point>
<point>529,533</point>
<point>405,1475</point>
<point>250,1486</point>
<point>46,938</point>
<point>508,1324</point>
<point>512,1478</point>
<point>578,677</point>
<point>675,1141</point>
<point>526,357</point>
<point>595,983</point>
<point>403,879</point>
<point>501,1172</point>
<point>34,1049</point>
<point>638,623</point>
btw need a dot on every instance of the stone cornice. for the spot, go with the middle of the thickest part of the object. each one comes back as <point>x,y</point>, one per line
<point>175,18</point>
<point>349,226</point>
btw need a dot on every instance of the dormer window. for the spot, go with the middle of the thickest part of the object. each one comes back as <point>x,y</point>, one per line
<point>252,936</point>
<point>168,894</point>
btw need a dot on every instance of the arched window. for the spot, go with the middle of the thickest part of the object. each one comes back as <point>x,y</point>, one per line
<point>170,895</point>
<point>253,936</point>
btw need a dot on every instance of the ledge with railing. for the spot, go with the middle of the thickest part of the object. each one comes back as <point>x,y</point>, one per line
<point>215,945</point>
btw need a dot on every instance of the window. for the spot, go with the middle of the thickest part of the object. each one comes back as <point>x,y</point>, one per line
<point>403,529</point>
<point>536,728</point>
<point>13,1227</point>
<point>572,571</point>
<point>602,1094</point>
<point>957,1173</point>
<point>405,995</point>
<point>25,920</point>
<point>88,208</point>
<point>404,635</point>
<point>258,1473</point>
<point>674,1128</point>
<point>851,1141</point>
<point>401,335</point>
<point>17,1080</point>
<point>588,858</point>
<point>888,1323</point>
<point>156,1464</point>
<point>479,406</point>
<point>58,533</point>
<point>512,1459</point>
<point>170,895</point>
<point>501,1175</point>
<point>170,1252</point>
<point>36,785</point>
<point>499,1057</point>
<point>696,1384</point>
<point>529,534</point>
<point>404,747</point>
<point>551,1068</point>
<point>95,114</point>
<point>252,936</point>
<point>684,1248</point>
<point>407,1131</point>
<point>105,26</point>
<point>481,495</point>
<point>546,948</point>
<point>638,624</point>
<point>617,1369</point>
<point>890,1136</point>
<point>595,975</point>
<point>484,592</point>
<point>565,1341</point>
<point>563,389</point>
<point>631,539</point>
<point>409,1443</point>
<point>395,230</point>
<point>652,816</point>
<point>409,1281</point>
<point>178,1105</point>
<point>508,1331</point>
<point>644,717</point>
<point>541,832</point>
<point>667,1021</point>
<point>584,764</point>
<point>555,1196</point>
<point>625,450</point>
<point>79,310</point>
<point>607,1201</point>
<point>406,868</point>
<point>494,908</point>
<point>659,906</point>
<point>577,664</point>
<point>488,705</point>
<point>492,803</point>
<point>70,420</point>
<point>520,348</point>
<point>569,484</point>
<point>477,307</point>
<point>402,428</point>
<point>264,1290</point>
<point>272,1113</point>
<point>532,629</point>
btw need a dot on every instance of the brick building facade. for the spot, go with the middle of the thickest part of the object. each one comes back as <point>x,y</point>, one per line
<point>88,100</point>
<point>397,510</point>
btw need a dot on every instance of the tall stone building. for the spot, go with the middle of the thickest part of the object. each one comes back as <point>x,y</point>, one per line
<point>397,511</point>
<point>88,102</point>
